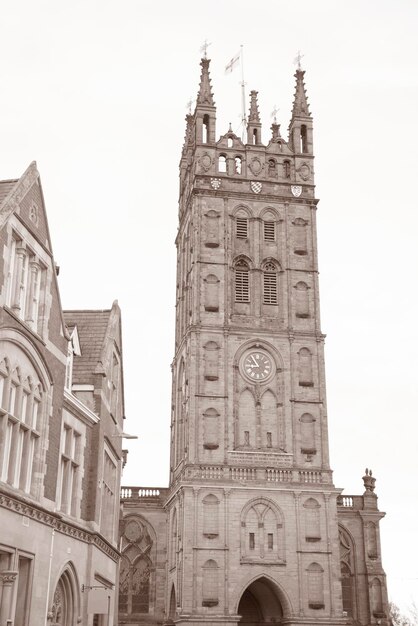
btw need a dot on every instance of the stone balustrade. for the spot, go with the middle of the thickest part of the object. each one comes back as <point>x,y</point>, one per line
<point>355,503</point>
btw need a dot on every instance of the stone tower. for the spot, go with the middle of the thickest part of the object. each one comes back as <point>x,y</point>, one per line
<point>251,511</point>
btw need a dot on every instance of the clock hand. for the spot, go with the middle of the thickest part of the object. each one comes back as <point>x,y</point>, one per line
<point>252,356</point>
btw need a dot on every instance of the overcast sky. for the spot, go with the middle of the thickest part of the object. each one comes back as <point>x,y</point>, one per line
<point>95,91</point>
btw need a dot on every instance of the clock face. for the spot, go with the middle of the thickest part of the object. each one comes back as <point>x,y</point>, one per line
<point>257,366</point>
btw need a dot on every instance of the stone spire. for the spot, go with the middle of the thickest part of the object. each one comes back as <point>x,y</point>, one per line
<point>205,95</point>
<point>188,134</point>
<point>254,115</point>
<point>300,101</point>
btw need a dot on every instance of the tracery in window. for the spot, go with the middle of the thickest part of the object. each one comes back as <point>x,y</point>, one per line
<point>261,532</point>
<point>270,295</point>
<point>136,567</point>
<point>22,400</point>
<point>134,585</point>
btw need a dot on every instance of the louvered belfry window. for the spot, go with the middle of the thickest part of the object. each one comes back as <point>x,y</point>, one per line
<point>242,280</point>
<point>270,284</point>
<point>242,228</point>
<point>269,234</point>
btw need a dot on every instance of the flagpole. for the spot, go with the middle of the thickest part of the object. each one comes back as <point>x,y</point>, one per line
<point>244,117</point>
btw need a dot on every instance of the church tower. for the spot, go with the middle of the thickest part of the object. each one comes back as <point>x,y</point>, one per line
<point>252,511</point>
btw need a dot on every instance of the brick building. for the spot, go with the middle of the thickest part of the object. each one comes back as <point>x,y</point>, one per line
<point>251,528</point>
<point>61,414</point>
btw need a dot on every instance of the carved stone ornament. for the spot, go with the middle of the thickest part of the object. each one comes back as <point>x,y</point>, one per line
<point>255,166</point>
<point>205,161</point>
<point>215,183</point>
<point>296,190</point>
<point>256,187</point>
<point>304,171</point>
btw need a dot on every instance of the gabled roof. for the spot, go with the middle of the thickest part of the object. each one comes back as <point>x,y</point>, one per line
<point>5,188</point>
<point>91,327</point>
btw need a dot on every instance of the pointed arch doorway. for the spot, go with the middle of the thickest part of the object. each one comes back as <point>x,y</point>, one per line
<point>260,604</point>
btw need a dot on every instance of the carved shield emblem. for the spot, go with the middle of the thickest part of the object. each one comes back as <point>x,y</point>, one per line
<point>256,187</point>
<point>215,183</point>
<point>296,190</point>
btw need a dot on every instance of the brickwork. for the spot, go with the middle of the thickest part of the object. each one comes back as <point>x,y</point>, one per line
<point>60,453</point>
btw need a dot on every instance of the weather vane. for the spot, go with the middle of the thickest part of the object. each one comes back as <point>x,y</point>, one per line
<point>298,59</point>
<point>204,48</point>
<point>274,113</point>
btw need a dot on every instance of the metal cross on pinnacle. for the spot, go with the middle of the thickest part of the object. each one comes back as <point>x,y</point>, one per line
<point>298,59</point>
<point>204,48</point>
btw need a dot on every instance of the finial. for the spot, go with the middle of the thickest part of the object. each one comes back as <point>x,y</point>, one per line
<point>204,95</point>
<point>230,128</point>
<point>298,59</point>
<point>254,114</point>
<point>300,102</point>
<point>204,48</point>
<point>369,481</point>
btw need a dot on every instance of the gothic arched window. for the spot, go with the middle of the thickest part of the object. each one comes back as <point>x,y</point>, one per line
<point>23,399</point>
<point>262,532</point>
<point>205,129</point>
<point>222,163</point>
<point>270,284</point>
<point>238,165</point>
<point>241,227</point>
<point>242,282</point>
<point>286,169</point>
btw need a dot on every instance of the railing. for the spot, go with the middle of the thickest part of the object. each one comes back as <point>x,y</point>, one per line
<point>355,503</point>
<point>279,476</point>
<point>142,493</point>
<point>260,474</point>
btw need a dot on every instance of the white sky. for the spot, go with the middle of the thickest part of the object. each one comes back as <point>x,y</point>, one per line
<point>95,91</point>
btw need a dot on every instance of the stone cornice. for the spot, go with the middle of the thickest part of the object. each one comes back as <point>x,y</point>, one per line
<point>56,522</point>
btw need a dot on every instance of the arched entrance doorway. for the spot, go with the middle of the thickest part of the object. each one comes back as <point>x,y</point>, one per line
<point>260,604</point>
